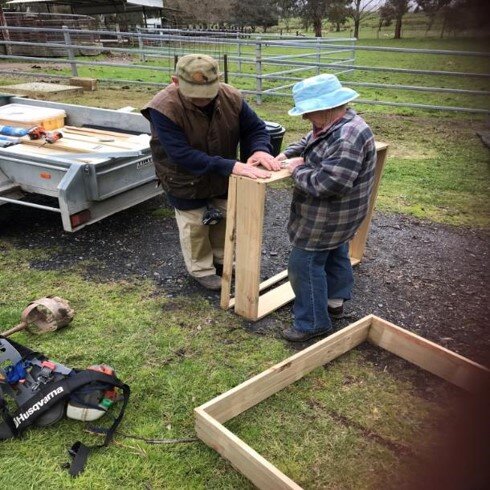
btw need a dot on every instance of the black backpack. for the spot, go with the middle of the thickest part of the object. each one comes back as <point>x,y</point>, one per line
<point>41,390</point>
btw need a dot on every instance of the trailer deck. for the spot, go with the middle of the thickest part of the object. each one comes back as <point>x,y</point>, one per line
<point>102,165</point>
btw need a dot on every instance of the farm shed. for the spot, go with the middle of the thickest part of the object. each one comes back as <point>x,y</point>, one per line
<point>44,38</point>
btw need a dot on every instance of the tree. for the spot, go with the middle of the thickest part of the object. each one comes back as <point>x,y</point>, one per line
<point>287,9</point>
<point>338,12</point>
<point>204,12</point>
<point>360,9</point>
<point>431,9</point>
<point>313,12</point>
<point>461,15</point>
<point>263,13</point>
<point>398,9</point>
<point>385,17</point>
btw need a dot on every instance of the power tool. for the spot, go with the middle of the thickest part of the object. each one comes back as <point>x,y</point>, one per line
<point>34,133</point>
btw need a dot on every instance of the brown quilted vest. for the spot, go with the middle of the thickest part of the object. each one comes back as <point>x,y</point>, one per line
<point>219,136</point>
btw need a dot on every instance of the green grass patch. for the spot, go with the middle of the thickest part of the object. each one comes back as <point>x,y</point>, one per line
<point>174,353</point>
<point>177,353</point>
<point>325,430</point>
<point>163,213</point>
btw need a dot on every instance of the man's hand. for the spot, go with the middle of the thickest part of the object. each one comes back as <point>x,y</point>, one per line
<point>264,159</point>
<point>292,163</point>
<point>250,171</point>
<point>280,158</point>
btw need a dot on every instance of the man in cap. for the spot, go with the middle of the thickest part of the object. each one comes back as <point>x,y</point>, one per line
<point>197,124</point>
<point>333,172</point>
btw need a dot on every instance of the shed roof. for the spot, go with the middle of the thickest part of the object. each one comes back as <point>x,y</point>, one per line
<point>78,5</point>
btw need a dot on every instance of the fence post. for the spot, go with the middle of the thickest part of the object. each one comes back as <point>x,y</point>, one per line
<point>239,52</point>
<point>69,50</point>
<point>5,33</point>
<point>258,70</point>
<point>354,51</point>
<point>140,44</point>
<point>318,55</point>
<point>119,37</point>
<point>225,66</point>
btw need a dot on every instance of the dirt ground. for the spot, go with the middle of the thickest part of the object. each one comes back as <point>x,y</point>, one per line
<point>429,278</point>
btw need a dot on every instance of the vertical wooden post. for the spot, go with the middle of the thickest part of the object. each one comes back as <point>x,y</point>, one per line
<point>358,243</point>
<point>250,201</point>
<point>229,252</point>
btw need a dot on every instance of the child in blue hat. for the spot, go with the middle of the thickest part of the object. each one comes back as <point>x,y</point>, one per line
<point>333,172</point>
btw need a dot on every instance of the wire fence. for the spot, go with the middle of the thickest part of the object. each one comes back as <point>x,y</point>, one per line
<point>261,65</point>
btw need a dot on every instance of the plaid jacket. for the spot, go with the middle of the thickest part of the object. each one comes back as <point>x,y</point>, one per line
<point>332,189</point>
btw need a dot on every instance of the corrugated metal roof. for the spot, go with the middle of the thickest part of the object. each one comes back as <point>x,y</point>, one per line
<point>143,3</point>
<point>157,4</point>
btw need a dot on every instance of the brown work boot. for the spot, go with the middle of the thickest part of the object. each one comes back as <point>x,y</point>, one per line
<point>212,282</point>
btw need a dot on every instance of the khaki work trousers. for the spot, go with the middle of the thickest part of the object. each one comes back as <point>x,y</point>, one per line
<point>202,245</point>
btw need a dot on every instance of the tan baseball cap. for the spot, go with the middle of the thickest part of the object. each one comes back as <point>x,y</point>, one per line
<point>198,76</point>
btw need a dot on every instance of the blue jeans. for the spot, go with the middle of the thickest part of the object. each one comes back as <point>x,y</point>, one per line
<point>315,277</point>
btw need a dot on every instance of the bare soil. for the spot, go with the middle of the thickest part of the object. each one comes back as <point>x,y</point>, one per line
<point>429,278</point>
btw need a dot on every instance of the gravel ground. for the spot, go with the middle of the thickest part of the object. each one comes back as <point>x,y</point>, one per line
<point>429,278</point>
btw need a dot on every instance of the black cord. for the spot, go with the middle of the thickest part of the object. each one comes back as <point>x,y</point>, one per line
<point>102,431</point>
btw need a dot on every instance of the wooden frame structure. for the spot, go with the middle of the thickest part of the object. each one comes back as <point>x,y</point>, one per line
<point>243,241</point>
<point>211,416</point>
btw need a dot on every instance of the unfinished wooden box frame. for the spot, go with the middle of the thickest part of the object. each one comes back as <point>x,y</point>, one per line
<point>243,241</point>
<point>211,416</point>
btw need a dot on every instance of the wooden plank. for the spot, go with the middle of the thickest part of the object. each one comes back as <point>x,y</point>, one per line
<point>274,299</point>
<point>22,149</point>
<point>358,244</point>
<point>229,251</point>
<point>280,296</point>
<point>98,132</point>
<point>97,140</point>
<point>432,357</point>
<point>246,395</point>
<point>275,176</point>
<point>82,132</point>
<point>249,224</point>
<point>264,285</point>
<point>47,151</point>
<point>73,146</point>
<point>272,280</point>
<point>251,464</point>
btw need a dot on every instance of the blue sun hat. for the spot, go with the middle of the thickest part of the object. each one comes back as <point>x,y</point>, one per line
<point>319,93</point>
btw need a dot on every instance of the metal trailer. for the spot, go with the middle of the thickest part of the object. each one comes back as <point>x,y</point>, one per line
<point>86,193</point>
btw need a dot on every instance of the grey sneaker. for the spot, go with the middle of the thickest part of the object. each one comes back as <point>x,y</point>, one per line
<point>212,282</point>
<point>294,335</point>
